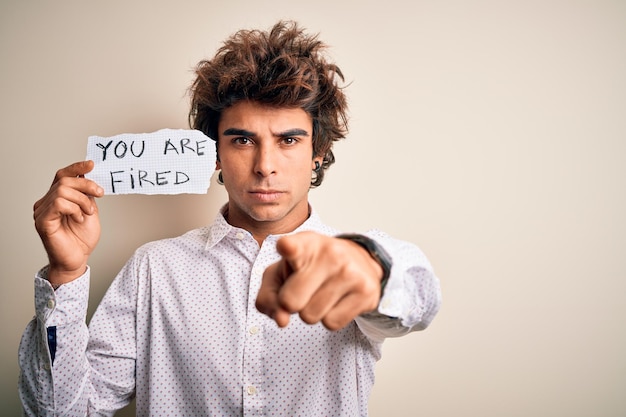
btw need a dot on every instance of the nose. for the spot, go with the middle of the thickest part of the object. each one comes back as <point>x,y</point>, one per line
<point>265,164</point>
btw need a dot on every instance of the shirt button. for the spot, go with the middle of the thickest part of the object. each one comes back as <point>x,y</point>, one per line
<point>50,304</point>
<point>251,390</point>
<point>257,270</point>
<point>254,330</point>
<point>46,366</point>
<point>239,235</point>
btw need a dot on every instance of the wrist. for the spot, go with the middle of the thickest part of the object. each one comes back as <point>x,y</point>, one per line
<point>376,251</point>
<point>58,276</point>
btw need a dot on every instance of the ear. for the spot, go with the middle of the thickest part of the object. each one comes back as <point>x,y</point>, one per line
<point>218,166</point>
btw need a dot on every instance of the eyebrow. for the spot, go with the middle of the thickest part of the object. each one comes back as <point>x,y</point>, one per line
<point>232,131</point>
<point>237,132</point>
<point>292,132</point>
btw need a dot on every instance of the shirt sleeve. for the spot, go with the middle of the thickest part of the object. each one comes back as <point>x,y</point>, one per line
<point>58,387</point>
<point>93,370</point>
<point>412,295</point>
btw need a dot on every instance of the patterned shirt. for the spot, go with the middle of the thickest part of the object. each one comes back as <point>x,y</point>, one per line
<point>179,331</point>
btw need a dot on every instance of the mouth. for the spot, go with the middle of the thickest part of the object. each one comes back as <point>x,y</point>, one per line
<point>266,196</point>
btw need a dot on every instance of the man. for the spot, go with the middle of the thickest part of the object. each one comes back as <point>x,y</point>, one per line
<point>267,311</point>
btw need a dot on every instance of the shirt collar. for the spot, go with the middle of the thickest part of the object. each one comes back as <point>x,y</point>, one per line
<point>220,227</point>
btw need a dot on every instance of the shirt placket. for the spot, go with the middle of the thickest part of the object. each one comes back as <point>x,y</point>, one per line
<point>254,394</point>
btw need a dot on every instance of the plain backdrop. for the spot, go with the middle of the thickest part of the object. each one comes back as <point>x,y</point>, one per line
<point>489,133</point>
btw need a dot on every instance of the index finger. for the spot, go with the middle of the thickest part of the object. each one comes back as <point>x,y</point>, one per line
<point>72,176</point>
<point>267,301</point>
<point>308,271</point>
<point>77,169</point>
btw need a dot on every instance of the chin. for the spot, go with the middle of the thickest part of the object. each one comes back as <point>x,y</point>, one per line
<point>267,214</point>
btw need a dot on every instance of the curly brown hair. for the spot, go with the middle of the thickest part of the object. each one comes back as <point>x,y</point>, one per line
<point>283,67</point>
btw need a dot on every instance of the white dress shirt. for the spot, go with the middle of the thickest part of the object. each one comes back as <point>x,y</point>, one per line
<point>178,329</point>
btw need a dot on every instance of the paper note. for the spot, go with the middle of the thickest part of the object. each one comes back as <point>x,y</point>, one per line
<point>168,161</point>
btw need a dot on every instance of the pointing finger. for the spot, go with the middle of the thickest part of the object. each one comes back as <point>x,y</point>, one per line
<point>267,301</point>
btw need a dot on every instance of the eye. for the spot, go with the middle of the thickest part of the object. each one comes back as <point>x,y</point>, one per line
<point>290,141</point>
<point>242,140</point>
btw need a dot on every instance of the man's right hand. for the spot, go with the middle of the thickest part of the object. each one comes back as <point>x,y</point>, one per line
<point>67,221</point>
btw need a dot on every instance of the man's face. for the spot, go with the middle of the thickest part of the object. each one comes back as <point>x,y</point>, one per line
<point>266,162</point>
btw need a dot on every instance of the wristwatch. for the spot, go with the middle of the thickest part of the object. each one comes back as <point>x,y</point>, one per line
<point>375,250</point>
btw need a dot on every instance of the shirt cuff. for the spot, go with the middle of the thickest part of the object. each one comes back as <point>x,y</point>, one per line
<point>412,293</point>
<point>67,304</point>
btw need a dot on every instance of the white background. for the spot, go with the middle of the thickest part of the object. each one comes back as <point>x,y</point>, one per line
<point>490,133</point>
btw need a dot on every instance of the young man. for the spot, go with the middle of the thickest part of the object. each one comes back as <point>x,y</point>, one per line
<point>267,311</point>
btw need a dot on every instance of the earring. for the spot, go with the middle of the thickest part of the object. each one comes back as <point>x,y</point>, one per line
<point>220,179</point>
<point>317,171</point>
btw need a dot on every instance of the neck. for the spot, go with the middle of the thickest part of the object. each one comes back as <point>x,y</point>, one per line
<point>261,229</point>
